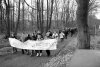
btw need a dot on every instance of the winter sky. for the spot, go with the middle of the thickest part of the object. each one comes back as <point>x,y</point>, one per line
<point>97,14</point>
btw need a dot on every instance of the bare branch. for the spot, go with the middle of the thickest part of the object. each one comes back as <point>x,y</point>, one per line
<point>31,6</point>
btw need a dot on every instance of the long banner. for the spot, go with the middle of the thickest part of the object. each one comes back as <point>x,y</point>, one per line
<point>49,44</point>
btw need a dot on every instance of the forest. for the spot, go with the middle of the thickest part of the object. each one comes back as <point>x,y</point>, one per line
<point>49,33</point>
<point>19,16</point>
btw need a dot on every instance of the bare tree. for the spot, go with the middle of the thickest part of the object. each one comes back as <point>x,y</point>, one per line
<point>51,12</point>
<point>7,15</point>
<point>13,24</point>
<point>42,19</point>
<point>56,12</point>
<point>1,10</point>
<point>93,5</point>
<point>65,15</point>
<point>18,20</point>
<point>23,14</point>
<point>47,15</point>
<point>38,14</point>
<point>32,14</point>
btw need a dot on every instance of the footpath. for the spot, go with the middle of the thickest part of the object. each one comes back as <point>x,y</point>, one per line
<point>59,57</point>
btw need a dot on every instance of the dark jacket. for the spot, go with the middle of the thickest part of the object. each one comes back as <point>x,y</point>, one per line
<point>34,37</point>
<point>27,38</point>
<point>14,37</point>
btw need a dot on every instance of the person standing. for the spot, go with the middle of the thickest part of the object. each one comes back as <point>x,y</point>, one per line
<point>39,38</point>
<point>61,35</point>
<point>14,49</point>
<point>48,36</point>
<point>22,38</point>
<point>34,37</point>
<point>55,35</point>
<point>27,38</point>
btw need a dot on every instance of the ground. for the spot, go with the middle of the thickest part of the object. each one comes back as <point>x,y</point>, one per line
<point>19,60</point>
<point>7,59</point>
<point>59,58</point>
<point>86,58</point>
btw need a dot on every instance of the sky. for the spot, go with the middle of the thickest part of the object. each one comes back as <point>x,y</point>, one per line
<point>97,14</point>
<point>98,11</point>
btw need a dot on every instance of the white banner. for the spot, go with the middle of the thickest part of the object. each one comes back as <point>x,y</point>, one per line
<point>49,44</point>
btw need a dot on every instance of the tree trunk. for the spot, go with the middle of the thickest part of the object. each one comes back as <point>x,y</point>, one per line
<point>13,17</point>
<point>23,15</point>
<point>1,16</point>
<point>37,14</point>
<point>50,19</point>
<point>67,13</point>
<point>7,14</point>
<point>32,15</point>
<point>82,23</point>
<point>18,21</point>
<point>42,22</point>
<point>39,7</point>
<point>56,14</point>
<point>47,17</point>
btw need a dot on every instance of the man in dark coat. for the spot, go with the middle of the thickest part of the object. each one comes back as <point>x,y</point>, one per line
<point>27,51</point>
<point>14,49</point>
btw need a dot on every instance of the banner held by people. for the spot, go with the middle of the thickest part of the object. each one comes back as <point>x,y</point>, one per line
<point>49,44</point>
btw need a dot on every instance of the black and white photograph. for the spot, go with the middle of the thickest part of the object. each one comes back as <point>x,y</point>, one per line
<point>49,33</point>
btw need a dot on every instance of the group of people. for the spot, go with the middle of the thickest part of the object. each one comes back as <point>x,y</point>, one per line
<point>34,36</point>
<point>70,31</point>
<point>37,35</point>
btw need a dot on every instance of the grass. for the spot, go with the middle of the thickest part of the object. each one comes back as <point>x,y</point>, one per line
<point>64,57</point>
<point>95,42</point>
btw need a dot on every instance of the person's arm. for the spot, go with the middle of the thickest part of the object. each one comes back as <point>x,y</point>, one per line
<point>25,39</point>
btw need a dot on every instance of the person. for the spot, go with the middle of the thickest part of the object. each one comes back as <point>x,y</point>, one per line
<point>66,32</point>
<point>39,38</point>
<point>22,37</point>
<point>14,49</point>
<point>34,37</point>
<point>48,36</point>
<point>54,35</point>
<point>39,33</point>
<point>61,35</point>
<point>48,53</point>
<point>72,31</point>
<point>27,51</point>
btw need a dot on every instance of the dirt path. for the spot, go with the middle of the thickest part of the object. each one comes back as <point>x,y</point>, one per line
<point>19,60</point>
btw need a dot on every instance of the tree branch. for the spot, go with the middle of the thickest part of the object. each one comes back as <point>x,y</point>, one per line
<point>31,6</point>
